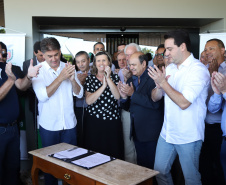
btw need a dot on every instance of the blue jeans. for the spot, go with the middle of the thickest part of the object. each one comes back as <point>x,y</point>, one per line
<point>189,160</point>
<point>223,157</point>
<point>49,138</point>
<point>9,155</point>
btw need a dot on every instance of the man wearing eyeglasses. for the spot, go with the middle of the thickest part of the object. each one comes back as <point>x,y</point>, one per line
<point>159,56</point>
<point>9,112</point>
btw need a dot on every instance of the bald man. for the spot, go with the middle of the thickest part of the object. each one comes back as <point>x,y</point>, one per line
<point>146,115</point>
<point>203,58</point>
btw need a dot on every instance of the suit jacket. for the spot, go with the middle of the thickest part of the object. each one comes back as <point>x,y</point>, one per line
<point>30,92</point>
<point>146,115</point>
<point>26,64</point>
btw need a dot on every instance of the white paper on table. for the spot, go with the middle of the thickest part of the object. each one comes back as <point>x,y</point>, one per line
<point>92,160</point>
<point>70,153</point>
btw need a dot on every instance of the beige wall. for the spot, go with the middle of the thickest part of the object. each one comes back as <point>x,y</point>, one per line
<point>18,13</point>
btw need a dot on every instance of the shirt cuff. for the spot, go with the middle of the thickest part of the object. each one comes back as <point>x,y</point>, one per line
<point>224,96</point>
<point>215,95</point>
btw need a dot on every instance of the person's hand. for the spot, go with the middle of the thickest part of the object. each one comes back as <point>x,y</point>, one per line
<point>158,76</point>
<point>82,77</point>
<point>107,71</point>
<point>220,81</point>
<point>127,89</point>
<point>213,66</point>
<point>126,73</point>
<point>33,71</point>
<point>68,72</point>
<point>213,85</point>
<point>8,70</point>
<point>71,68</point>
<point>119,86</point>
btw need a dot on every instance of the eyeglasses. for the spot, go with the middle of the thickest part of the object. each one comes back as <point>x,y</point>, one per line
<point>165,57</point>
<point>159,54</point>
<point>4,54</point>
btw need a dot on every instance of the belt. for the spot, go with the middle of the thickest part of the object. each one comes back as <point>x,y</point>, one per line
<point>8,124</point>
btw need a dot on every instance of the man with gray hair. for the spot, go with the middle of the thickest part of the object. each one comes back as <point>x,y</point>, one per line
<point>129,148</point>
<point>55,87</point>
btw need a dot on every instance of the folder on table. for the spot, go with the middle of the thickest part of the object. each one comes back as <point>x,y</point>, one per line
<point>82,157</point>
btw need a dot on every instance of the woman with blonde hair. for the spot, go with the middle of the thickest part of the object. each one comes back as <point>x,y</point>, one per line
<point>102,126</point>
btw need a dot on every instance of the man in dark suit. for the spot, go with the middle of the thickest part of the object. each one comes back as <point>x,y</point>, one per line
<point>33,102</point>
<point>146,115</point>
<point>36,60</point>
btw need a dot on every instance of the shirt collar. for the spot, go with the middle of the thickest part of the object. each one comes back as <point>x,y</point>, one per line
<point>47,66</point>
<point>187,62</point>
<point>135,77</point>
<point>80,72</point>
<point>37,61</point>
<point>222,65</point>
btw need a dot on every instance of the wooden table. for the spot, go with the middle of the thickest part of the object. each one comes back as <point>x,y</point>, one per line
<point>116,172</point>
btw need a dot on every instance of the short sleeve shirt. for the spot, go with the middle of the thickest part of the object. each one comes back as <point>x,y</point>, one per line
<point>106,106</point>
<point>9,106</point>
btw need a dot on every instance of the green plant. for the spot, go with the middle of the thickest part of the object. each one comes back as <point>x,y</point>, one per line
<point>2,30</point>
<point>146,50</point>
<point>68,57</point>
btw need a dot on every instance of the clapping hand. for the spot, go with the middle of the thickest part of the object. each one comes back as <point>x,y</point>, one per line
<point>107,71</point>
<point>8,70</point>
<point>68,72</point>
<point>218,82</point>
<point>82,77</point>
<point>126,73</point>
<point>122,94</point>
<point>158,76</point>
<point>33,71</point>
<point>127,89</point>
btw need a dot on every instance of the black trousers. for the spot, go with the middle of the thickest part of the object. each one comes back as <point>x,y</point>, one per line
<point>209,163</point>
<point>79,113</point>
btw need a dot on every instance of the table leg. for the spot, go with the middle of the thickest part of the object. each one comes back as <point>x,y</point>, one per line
<point>34,174</point>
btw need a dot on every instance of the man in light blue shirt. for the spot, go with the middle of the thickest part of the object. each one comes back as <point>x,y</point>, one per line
<point>216,103</point>
<point>210,165</point>
<point>82,61</point>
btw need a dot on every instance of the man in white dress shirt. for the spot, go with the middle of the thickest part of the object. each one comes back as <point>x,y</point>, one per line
<point>54,87</point>
<point>185,84</point>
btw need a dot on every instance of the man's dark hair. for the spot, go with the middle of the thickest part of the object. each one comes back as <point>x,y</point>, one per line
<point>82,53</point>
<point>219,42</point>
<point>49,44</point>
<point>143,58</point>
<point>149,56</point>
<point>96,44</point>
<point>4,47</point>
<point>121,44</point>
<point>180,36</point>
<point>161,46</point>
<point>164,52</point>
<point>37,46</point>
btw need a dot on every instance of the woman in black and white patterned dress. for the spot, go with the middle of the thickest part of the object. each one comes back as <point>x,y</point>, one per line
<point>102,126</point>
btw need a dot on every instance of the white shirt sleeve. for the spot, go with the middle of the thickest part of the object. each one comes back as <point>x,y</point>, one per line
<point>198,79</point>
<point>40,88</point>
<point>80,95</point>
